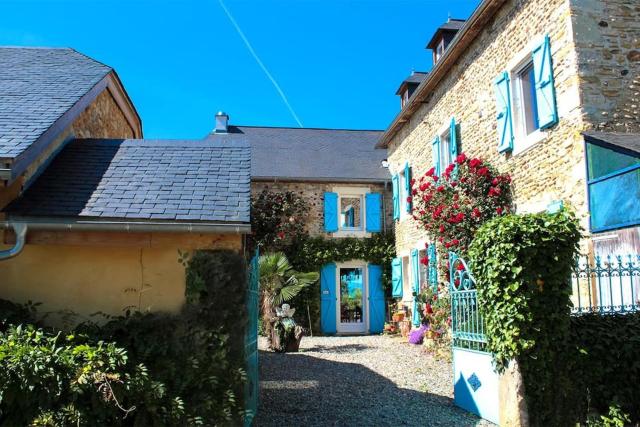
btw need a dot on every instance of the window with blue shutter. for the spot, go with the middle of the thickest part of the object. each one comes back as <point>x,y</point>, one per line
<point>415,270</point>
<point>373,212</point>
<point>396,278</point>
<point>328,299</point>
<point>436,155</point>
<point>453,139</point>
<point>407,187</point>
<point>395,185</point>
<point>504,112</point>
<point>376,300</point>
<point>330,212</point>
<point>545,97</point>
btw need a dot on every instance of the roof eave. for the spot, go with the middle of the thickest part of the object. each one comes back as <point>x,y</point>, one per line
<point>255,178</point>
<point>464,37</point>
<point>123,225</point>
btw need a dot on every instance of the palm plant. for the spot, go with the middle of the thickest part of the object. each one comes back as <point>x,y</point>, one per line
<point>279,283</point>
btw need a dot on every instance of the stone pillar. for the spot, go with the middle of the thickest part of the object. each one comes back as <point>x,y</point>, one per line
<point>513,406</point>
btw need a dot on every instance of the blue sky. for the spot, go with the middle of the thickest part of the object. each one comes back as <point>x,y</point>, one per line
<point>338,62</point>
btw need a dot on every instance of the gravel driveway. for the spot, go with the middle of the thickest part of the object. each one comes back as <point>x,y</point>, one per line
<point>357,381</point>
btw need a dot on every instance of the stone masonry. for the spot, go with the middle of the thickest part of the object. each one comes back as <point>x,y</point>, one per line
<point>553,168</point>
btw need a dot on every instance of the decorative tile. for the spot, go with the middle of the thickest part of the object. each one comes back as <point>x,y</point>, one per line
<point>474,382</point>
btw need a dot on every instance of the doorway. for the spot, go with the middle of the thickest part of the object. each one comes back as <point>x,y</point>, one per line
<point>351,310</point>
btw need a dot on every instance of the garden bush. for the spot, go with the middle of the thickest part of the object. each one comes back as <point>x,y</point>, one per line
<point>139,369</point>
<point>522,266</point>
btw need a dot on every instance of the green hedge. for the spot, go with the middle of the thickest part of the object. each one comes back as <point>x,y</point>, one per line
<point>138,370</point>
<point>605,367</point>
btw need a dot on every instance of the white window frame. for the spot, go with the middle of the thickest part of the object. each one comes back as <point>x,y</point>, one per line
<point>439,51</point>
<point>521,140</point>
<point>402,194</point>
<point>352,192</point>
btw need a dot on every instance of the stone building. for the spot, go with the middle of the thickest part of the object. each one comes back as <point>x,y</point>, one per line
<point>539,89</point>
<point>93,217</point>
<point>341,176</point>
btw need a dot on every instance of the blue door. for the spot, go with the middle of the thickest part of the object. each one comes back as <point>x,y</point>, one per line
<point>328,299</point>
<point>376,300</point>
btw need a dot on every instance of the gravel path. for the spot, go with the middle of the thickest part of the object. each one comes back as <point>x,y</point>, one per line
<point>357,381</point>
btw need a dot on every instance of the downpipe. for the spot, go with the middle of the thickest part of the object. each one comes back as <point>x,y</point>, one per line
<point>20,229</point>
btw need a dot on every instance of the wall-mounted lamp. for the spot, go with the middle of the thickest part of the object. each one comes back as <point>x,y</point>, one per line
<point>384,163</point>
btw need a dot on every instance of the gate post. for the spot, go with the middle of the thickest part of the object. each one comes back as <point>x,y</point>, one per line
<point>251,386</point>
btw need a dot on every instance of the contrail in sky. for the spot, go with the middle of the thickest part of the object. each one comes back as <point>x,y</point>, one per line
<point>260,63</point>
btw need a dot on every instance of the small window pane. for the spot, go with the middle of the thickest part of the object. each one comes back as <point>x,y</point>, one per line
<point>445,151</point>
<point>615,201</point>
<point>350,212</point>
<point>529,104</point>
<point>603,161</point>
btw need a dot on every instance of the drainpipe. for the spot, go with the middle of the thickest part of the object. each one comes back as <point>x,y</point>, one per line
<point>20,229</point>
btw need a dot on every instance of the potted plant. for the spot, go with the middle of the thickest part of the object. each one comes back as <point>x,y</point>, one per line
<point>285,333</point>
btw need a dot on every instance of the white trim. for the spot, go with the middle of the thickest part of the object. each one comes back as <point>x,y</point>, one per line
<point>442,132</point>
<point>353,192</point>
<point>361,328</point>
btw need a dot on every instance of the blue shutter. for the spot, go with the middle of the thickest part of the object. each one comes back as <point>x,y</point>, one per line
<point>376,300</point>
<point>407,186</point>
<point>436,155</point>
<point>328,299</point>
<point>330,212</point>
<point>545,92</point>
<point>433,266</point>
<point>453,140</point>
<point>395,185</point>
<point>415,268</point>
<point>373,209</point>
<point>396,277</point>
<point>503,108</point>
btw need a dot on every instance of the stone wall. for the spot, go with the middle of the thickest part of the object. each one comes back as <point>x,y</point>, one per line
<point>313,193</point>
<point>607,35</point>
<point>553,168</point>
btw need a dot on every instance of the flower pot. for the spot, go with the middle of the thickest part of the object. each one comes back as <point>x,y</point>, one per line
<point>398,317</point>
<point>405,328</point>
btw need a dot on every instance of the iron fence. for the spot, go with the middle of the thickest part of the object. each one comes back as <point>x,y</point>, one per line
<point>467,323</point>
<point>606,285</point>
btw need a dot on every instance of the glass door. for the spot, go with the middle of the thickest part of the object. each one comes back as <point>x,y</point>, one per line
<point>351,310</point>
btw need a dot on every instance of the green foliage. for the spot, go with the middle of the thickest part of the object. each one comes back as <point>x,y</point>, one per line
<point>311,253</point>
<point>277,219</point>
<point>279,282</point>
<point>605,367</point>
<point>13,313</point>
<point>142,369</point>
<point>522,266</point>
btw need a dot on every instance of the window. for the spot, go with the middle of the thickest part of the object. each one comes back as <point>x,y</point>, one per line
<point>439,50</point>
<point>445,150</point>
<point>402,189</point>
<point>525,102</point>
<point>424,270</point>
<point>407,277</point>
<point>350,212</point>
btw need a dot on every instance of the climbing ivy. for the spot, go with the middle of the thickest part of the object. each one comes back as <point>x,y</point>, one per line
<point>522,265</point>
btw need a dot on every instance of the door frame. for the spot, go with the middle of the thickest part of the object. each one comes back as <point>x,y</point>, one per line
<point>344,328</point>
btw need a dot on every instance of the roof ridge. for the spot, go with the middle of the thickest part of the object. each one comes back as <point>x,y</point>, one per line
<point>306,128</point>
<point>34,47</point>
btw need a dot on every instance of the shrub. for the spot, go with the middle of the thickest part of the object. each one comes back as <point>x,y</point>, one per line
<point>140,369</point>
<point>452,206</point>
<point>522,266</point>
<point>277,219</point>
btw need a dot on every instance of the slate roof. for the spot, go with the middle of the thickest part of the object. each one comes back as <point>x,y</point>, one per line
<point>143,180</point>
<point>37,86</point>
<point>309,154</point>
<point>626,141</point>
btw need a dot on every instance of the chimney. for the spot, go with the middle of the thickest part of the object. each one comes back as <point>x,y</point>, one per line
<point>222,122</point>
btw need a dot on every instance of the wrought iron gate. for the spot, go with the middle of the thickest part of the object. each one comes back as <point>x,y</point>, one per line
<point>251,342</point>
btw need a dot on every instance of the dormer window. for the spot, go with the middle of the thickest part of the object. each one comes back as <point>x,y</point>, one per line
<point>408,86</point>
<point>443,37</point>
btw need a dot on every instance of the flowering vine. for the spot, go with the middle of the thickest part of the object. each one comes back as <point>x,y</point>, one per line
<point>451,207</point>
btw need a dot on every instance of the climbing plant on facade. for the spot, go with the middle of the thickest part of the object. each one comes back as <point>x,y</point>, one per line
<point>277,219</point>
<point>452,206</point>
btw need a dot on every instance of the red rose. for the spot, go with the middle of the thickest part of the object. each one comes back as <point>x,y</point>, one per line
<point>461,158</point>
<point>409,199</point>
<point>428,309</point>
<point>460,267</point>
<point>412,181</point>
<point>442,228</point>
<point>483,171</point>
<point>424,261</point>
<point>499,210</point>
<point>474,163</point>
<point>495,181</point>
<point>430,172</point>
<point>414,191</point>
<point>453,183</point>
<point>281,235</point>
<point>440,188</point>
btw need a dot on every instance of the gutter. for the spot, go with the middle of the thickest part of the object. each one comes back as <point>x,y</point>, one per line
<point>60,224</point>
<point>20,229</point>
<point>465,36</point>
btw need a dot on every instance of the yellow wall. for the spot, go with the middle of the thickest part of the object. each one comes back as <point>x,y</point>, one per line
<point>90,272</point>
